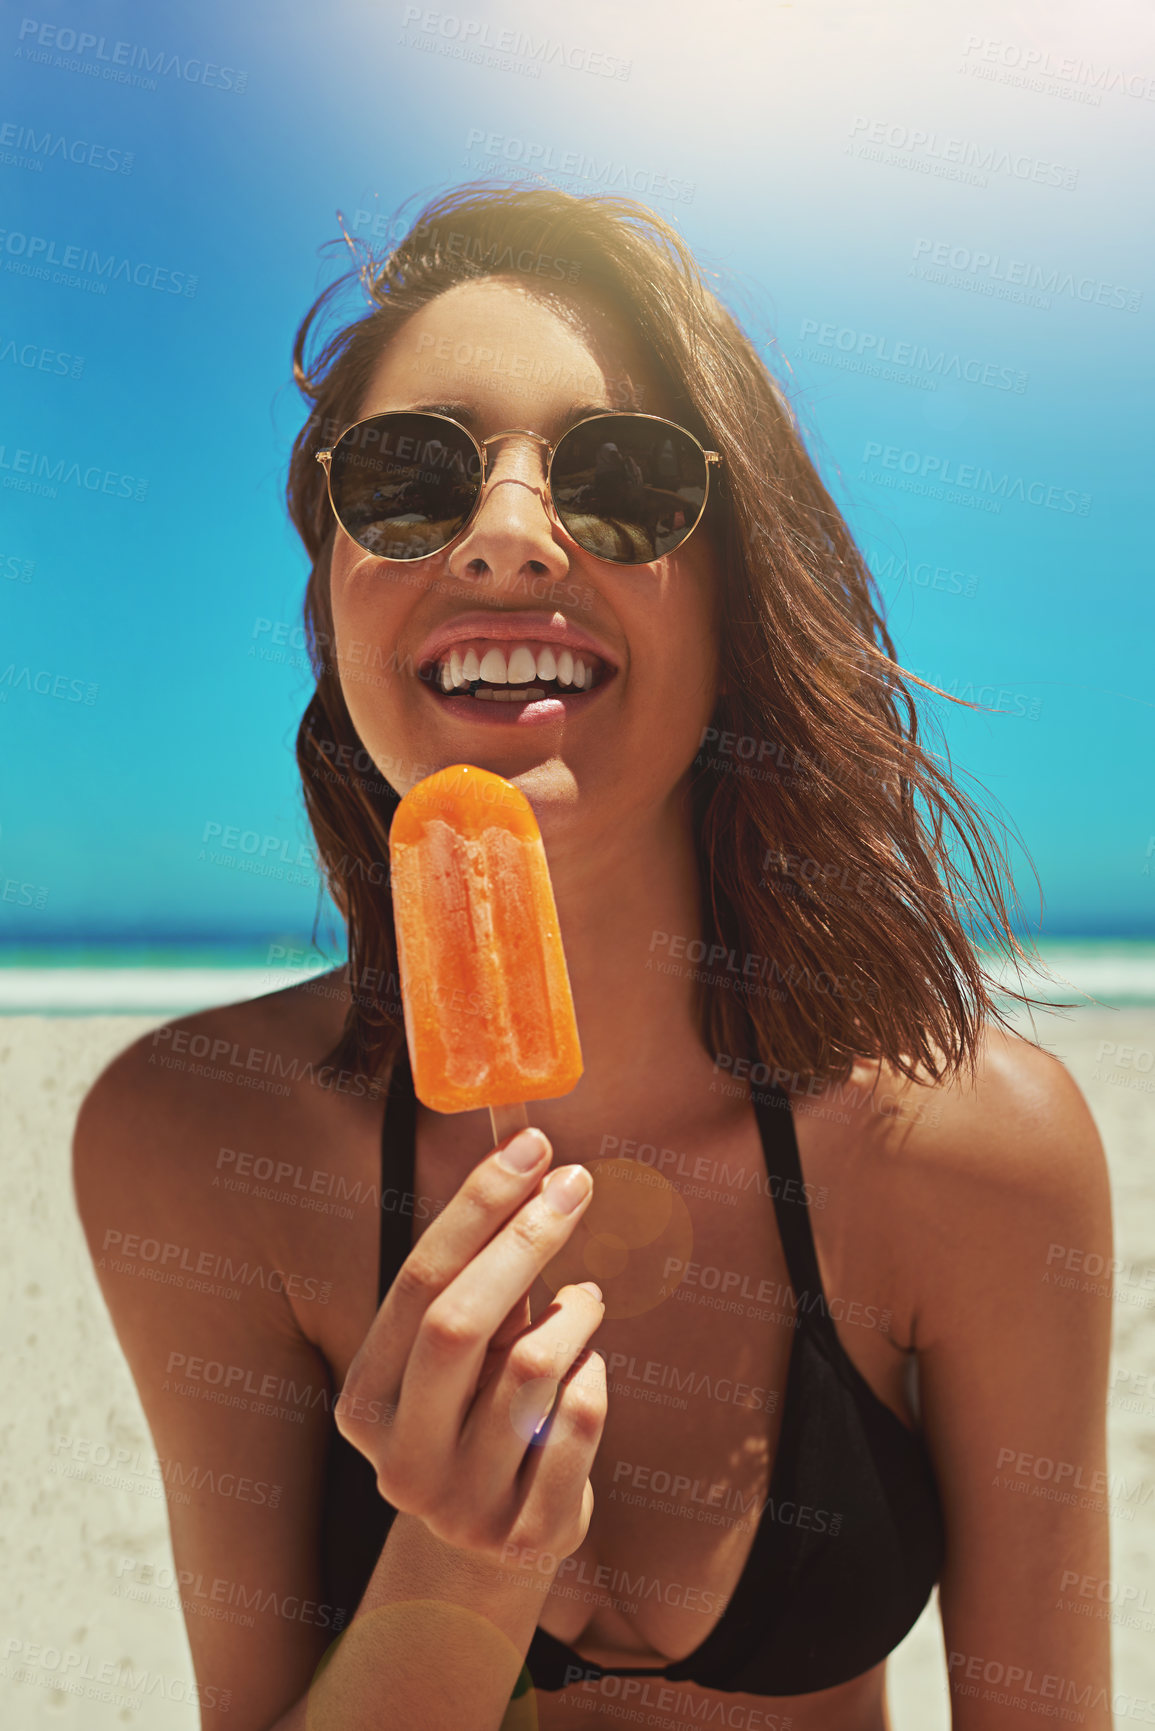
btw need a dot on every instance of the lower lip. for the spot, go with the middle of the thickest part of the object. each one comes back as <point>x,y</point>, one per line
<point>534,712</point>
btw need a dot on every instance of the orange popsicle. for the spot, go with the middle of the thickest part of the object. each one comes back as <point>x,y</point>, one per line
<point>489,1014</point>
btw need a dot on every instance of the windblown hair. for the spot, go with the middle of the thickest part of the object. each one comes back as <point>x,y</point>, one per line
<point>847,883</point>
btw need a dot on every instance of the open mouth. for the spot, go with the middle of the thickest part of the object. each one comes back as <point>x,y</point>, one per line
<point>483,671</point>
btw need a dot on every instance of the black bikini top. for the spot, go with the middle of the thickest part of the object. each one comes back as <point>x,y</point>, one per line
<point>849,1544</point>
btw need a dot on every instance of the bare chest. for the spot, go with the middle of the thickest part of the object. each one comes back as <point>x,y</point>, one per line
<point>697,1379</point>
<point>695,1405</point>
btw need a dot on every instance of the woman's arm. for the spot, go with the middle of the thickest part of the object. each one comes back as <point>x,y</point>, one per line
<point>236,1396</point>
<point>1013,1356</point>
<point>243,1485</point>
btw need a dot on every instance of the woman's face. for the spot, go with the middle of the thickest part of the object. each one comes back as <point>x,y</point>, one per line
<point>518,357</point>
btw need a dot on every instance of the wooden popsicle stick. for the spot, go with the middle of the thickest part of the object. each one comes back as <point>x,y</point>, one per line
<point>506,1120</point>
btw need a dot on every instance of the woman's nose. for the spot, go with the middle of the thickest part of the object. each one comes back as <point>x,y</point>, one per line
<point>512,531</point>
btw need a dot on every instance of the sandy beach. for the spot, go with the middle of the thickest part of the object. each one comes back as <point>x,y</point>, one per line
<point>82,1499</point>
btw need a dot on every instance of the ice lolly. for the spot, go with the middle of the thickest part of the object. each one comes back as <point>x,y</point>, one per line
<point>489,1014</point>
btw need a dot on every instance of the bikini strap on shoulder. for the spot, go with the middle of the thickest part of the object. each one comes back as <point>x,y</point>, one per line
<point>793,1200</point>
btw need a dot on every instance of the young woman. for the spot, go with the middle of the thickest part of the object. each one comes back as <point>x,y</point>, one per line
<point>800,1353</point>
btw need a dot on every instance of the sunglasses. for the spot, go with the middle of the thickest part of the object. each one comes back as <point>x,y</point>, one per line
<point>627,488</point>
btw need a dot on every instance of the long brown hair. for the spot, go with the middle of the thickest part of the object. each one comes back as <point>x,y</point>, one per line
<point>846,879</point>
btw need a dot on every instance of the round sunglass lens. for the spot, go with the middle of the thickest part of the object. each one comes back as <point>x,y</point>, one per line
<point>628,488</point>
<point>403,485</point>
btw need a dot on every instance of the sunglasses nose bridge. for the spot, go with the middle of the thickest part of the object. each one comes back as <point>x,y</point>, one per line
<point>538,439</point>
<point>541,491</point>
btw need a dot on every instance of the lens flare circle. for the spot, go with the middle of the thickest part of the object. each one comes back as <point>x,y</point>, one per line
<point>635,1239</point>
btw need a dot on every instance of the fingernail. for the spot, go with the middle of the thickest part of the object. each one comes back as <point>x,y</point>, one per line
<point>527,1150</point>
<point>567,1188</point>
<point>592,1287</point>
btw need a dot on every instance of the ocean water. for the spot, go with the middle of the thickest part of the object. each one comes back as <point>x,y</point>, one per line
<point>172,980</point>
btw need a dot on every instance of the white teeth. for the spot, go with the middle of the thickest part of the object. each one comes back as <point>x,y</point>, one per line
<point>522,665</point>
<point>518,668</point>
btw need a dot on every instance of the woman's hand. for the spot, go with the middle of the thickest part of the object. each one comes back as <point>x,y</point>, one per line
<point>454,1378</point>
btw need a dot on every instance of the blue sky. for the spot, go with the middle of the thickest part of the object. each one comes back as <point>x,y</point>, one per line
<point>950,194</point>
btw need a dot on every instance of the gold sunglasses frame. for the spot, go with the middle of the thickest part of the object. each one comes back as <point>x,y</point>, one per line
<point>481,446</point>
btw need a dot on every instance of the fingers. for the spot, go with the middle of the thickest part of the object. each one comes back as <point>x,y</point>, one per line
<point>517,1320</point>
<point>452,1339</point>
<point>501,1424</point>
<point>563,1457</point>
<point>490,1194</point>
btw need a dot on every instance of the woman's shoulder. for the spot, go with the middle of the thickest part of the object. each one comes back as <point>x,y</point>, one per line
<point>976,1178</point>
<point>251,1074</point>
<point>1017,1121</point>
